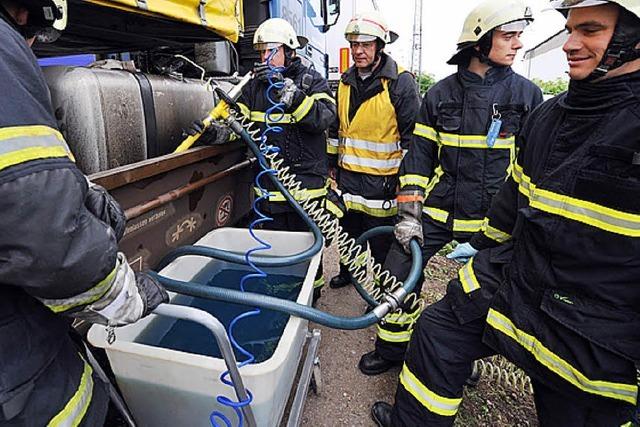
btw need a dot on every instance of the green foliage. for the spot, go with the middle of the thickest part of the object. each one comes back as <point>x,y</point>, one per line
<point>552,87</point>
<point>425,81</point>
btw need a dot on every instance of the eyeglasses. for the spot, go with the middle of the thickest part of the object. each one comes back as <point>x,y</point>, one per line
<point>363,45</point>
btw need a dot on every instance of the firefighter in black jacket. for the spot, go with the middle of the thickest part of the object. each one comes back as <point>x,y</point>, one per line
<point>377,105</point>
<point>463,148</point>
<point>567,311</point>
<point>309,110</point>
<point>58,244</point>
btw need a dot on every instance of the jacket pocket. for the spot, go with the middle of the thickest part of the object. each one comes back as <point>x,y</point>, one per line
<point>613,328</point>
<point>449,116</point>
<point>613,191</point>
<point>512,116</point>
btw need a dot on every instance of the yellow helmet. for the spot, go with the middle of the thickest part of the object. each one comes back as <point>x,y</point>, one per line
<point>275,32</point>
<point>369,26</point>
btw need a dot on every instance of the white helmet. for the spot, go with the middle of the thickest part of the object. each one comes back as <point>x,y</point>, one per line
<point>275,32</point>
<point>632,6</point>
<point>368,26</point>
<point>46,18</point>
<point>503,15</point>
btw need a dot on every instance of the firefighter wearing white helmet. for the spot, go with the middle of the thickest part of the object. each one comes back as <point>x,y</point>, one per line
<point>462,148</point>
<point>377,103</point>
<point>309,110</point>
<point>550,285</point>
<point>58,244</point>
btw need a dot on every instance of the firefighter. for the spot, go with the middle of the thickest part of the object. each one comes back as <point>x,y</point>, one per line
<point>309,110</point>
<point>58,244</point>
<point>567,311</point>
<point>377,104</point>
<point>463,147</point>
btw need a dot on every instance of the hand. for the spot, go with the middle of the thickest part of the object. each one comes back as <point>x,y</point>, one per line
<point>266,74</point>
<point>213,134</point>
<point>406,230</point>
<point>462,253</point>
<point>100,203</point>
<point>151,291</point>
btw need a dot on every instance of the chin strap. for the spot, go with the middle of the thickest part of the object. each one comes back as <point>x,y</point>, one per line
<point>622,48</point>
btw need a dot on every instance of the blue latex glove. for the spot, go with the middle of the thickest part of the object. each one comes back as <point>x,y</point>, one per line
<point>462,253</point>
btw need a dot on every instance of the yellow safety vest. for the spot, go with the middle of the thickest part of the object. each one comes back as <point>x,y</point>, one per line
<point>370,143</point>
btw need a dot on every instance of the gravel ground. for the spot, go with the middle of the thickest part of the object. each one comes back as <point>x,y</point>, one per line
<point>347,395</point>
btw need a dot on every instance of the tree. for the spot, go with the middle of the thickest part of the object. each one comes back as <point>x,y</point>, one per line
<point>425,81</point>
<point>552,87</point>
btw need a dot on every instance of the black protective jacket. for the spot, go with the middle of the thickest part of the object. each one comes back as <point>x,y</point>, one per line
<point>450,159</point>
<point>302,142</point>
<point>51,245</point>
<point>569,312</point>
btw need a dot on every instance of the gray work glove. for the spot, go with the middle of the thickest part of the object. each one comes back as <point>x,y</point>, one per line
<point>290,95</point>
<point>263,73</point>
<point>151,291</point>
<point>409,225</point>
<point>214,134</point>
<point>100,203</point>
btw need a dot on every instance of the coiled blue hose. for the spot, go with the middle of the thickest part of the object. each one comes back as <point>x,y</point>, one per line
<point>273,115</point>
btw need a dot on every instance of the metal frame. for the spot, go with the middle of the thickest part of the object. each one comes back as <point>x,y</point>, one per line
<point>310,362</point>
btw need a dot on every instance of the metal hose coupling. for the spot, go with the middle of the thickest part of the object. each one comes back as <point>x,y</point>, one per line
<point>390,302</point>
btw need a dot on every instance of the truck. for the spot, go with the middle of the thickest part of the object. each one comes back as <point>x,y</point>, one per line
<point>153,68</point>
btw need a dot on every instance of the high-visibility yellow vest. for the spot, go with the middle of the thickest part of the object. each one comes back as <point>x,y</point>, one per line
<point>370,143</point>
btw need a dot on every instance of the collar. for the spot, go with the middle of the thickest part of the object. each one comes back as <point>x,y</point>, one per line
<point>294,68</point>
<point>493,75</point>
<point>388,69</point>
<point>597,96</point>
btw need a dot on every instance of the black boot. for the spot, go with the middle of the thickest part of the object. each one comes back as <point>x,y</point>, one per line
<point>474,378</point>
<point>381,414</point>
<point>373,364</point>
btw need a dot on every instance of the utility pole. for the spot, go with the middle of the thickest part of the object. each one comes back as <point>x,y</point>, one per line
<point>375,4</point>
<point>416,57</point>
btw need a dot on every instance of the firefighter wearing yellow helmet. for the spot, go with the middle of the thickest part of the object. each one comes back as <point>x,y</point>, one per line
<point>462,149</point>
<point>377,104</point>
<point>309,110</point>
<point>58,244</point>
<point>552,283</point>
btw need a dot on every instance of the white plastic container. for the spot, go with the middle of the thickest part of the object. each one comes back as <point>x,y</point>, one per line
<point>166,387</point>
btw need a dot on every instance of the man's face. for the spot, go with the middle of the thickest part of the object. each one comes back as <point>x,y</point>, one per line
<point>277,60</point>
<point>363,53</point>
<point>590,30</point>
<point>504,47</point>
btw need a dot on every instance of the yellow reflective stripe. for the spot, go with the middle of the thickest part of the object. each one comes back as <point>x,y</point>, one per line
<point>303,109</point>
<point>493,233</point>
<point>402,318</point>
<point>474,141</point>
<point>334,209</point>
<point>377,149</point>
<point>370,207</point>
<point>29,131</point>
<point>467,225</point>
<point>332,145</point>
<point>445,406</point>
<point>412,179</point>
<point>397,337</point>
<point>244,109</point>
<point>425,131</point>
<point>87,297</point>
<point>76,408</point>
<point>28,154</point>
<point>436,214</point>
<point>437,173</point>
<point>468,277</point>
<point>305,193</point>
<point>20,144</point>
<point>321,95</point>
<point>318,283</point>
<point>593,214</point>
<point>562,368</point>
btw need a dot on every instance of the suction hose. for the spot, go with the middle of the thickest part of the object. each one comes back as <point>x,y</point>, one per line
<point>390,303</point>
<point>259,261</point>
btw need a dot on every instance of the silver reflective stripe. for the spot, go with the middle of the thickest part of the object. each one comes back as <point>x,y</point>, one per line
<point>370,163</point>
<point>332,142</point>
<point>445,406</point>
<point>468,277</point>
<point>75,410</point>
<point>556,364</point>
<point>378,147</point>
<point>370,203</point>
<point>435,213</point>
<point>397,337</point>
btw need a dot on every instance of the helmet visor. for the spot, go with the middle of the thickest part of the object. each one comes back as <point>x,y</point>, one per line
<point>260,47</point>
<point>515,26</point>
<point>360,38</point>
<point>570,4</point>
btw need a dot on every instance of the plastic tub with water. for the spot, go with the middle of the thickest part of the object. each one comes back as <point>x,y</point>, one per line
<point>169,370</point>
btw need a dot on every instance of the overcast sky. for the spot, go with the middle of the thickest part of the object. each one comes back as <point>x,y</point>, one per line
<point>441,26</point>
